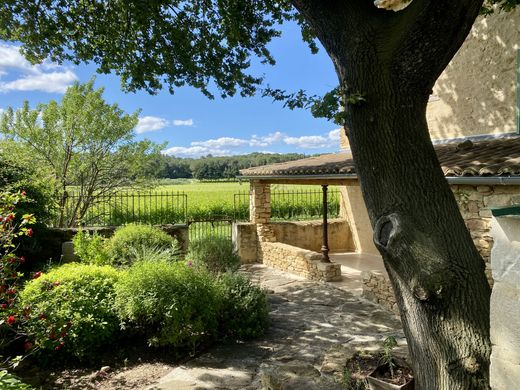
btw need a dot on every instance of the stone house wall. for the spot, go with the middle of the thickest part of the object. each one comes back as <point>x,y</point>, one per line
<point>475,204</point>
<point>298,261</point>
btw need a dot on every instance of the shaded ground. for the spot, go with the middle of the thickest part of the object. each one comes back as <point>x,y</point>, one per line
<point>315,329</point>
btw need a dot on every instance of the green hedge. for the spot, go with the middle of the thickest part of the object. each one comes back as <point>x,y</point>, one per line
<point>71,310</point>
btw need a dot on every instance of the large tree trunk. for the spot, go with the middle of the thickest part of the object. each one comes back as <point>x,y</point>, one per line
<point>392,61</point>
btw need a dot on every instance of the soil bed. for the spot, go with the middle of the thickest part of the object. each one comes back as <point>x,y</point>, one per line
<point>132,365</point>
<point>362,364</point>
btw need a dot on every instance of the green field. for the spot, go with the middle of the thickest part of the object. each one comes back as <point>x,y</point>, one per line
<point>175,201</point>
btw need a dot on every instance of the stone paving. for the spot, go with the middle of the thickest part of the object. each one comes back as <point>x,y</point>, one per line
<point>315,328</point>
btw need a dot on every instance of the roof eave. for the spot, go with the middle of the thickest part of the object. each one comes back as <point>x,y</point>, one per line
<point>458,180</point>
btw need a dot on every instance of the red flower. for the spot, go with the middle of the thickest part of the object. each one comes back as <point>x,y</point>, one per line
<point>3,305</point>
<point>28,345</point>
<point>24,193</point>
<point>37,275</point>
<point>59,346</point>
<point>11,320</point>
<point>29,232</point>
<point>22,259</point>
<point>11,291</point>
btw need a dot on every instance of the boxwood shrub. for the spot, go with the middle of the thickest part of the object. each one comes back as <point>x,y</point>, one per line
<point>127,243</point>
<point>70,310</point>
<point>172,303</point>
<point>244,312</point>
<point>216,254</point>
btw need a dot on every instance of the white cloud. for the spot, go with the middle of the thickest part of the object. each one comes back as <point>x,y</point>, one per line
<point>223,142</point>
<point>315,141</point>
<point>195,151</point>
<point>182,122</point>
<point>266,140</point>
<point>150,123</point>
<point>55,82</point>
<point>225,146</point>
<point>46,77</point>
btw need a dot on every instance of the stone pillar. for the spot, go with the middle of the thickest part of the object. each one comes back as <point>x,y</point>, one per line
<point>505,303</point>
<point>260,202</point>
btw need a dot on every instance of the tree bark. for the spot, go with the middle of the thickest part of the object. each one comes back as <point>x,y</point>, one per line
<point>392,61</point>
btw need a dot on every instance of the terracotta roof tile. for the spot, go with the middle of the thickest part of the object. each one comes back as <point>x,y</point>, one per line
<point>495,157</point>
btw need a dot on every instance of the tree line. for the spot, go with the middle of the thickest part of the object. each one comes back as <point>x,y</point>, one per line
<point>213,168</point>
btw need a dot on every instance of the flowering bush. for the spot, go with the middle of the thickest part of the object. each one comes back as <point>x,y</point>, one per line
<point>12,227</point>
<point>172,303</point>
<point>127,242</point>
<point>244,313</point>
<point>70,310</point>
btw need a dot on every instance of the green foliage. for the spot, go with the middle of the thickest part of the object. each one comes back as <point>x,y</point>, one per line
<point>17,178</point>
<point>244,313</point>
<point>503,5</point>
<point>81,141</point>
<point>12,228</point>
<point>10,382</point>
<point>173,304</point>
<point>196,43</point>
<point>214,253</point>
<point>387,357</point>
<point>124,246</point>
<point>90,248</point>
<point>70,310</point>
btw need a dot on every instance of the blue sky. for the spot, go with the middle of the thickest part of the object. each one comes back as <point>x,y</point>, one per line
<point>191,124</point>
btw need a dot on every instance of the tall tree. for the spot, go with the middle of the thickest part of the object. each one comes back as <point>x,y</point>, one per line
<point>387,63</point>
<point>81,141</point>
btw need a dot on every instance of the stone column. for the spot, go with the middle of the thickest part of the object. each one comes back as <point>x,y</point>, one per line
<point>260,202</point>
<point>260,210</point>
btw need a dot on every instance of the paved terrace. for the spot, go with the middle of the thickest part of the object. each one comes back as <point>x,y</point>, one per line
<point>315,328</point>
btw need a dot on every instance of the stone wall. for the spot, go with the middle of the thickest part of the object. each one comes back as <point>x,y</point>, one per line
<point>60,238</point>
<point>309,234</point>
<point>377,288</point>
<point>298,261</point>
<point>245,241</point>
<point>301,234</point>
<point>475,204</point>
<point>505,304</point>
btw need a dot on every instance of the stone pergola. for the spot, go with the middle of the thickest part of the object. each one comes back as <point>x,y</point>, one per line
<point>485,172</point>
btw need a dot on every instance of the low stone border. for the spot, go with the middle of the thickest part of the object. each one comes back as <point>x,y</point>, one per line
<point>298,261</point>
<point>377,288</point>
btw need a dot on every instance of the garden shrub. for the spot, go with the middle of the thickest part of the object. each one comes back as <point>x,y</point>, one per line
<point>70,309</point>
<point>10,382</point>
<point>13,227</point>
<point>128,240</point>
<point>244,312</point>
<point>215,253</point>
<point>172,303</point>
<point>90,249</point>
